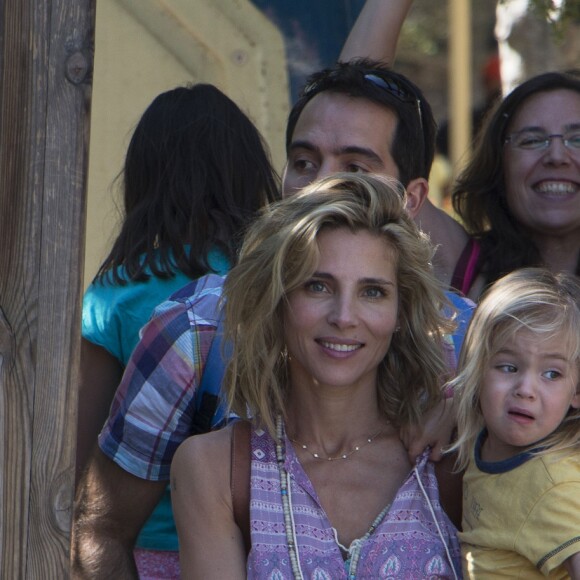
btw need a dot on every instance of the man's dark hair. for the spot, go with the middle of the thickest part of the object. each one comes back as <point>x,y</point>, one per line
<point>413,146</point>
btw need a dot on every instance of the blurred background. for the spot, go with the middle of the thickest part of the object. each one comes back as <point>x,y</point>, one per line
<point>462,53</point>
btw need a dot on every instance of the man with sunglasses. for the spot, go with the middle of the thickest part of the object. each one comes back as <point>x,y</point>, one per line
<point>363,117</point>
<point>357,116</point>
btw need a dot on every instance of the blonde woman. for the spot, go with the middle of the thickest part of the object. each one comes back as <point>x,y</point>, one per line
<point>337,332</point>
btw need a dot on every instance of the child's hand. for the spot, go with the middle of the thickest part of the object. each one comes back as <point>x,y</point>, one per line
<point>436,430</point>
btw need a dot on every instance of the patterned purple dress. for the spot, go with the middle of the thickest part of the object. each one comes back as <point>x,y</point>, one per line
<point>405,545</point>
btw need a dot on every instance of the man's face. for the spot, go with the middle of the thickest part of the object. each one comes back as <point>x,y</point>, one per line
<point>337,133</point>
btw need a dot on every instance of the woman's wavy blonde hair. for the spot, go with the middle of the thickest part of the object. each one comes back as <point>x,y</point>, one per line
<point>280,253</point>
<point>533,299</point>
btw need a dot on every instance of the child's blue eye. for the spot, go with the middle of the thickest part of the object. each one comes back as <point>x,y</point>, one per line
<point>552,375</point>
<point>507,368</point>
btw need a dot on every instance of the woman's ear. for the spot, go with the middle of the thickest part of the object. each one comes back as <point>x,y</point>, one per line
<point>417,190</point>
<point>575,402</point>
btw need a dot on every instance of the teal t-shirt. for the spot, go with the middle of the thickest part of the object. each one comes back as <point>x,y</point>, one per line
<point>112,318</point>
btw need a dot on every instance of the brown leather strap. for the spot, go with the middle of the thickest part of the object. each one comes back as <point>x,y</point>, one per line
<point>240,478</point>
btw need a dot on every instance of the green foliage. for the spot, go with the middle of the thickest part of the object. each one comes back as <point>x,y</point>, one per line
<point>559,14</point>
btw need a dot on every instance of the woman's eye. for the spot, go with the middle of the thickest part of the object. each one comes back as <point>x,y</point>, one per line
<point>315,286</point>
<point>531,141</point>
<point>374,292</point>
<point>573,140</point>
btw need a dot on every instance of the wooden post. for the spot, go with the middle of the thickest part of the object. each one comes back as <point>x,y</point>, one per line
<point>45,66</point>
<point>460,63</point>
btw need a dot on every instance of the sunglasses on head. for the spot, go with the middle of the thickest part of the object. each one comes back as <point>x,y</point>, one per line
<point>390,85</point>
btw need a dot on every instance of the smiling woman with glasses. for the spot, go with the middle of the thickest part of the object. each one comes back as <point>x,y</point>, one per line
<point>519,197</point>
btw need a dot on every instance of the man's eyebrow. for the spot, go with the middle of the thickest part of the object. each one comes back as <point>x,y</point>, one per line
<point>347,150</point>
<point>362,151</point>
<point>302,145</point>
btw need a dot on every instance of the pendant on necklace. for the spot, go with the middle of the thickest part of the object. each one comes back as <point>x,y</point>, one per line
<point>342,455</point>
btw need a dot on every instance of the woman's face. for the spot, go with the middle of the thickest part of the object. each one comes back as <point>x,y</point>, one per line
<point>339,323</point>
<point>543,185</point>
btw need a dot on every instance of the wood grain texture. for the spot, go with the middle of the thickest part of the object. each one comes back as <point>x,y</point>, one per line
<point>45,68</point>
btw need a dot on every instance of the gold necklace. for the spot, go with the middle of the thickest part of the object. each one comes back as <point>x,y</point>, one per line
<point>342,455</point>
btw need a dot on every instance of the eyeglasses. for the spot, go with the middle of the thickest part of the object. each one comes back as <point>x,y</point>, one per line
<point>391,85</point>
<point>538,141</point>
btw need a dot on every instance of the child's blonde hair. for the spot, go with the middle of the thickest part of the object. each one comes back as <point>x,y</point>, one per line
<point>533,299</point>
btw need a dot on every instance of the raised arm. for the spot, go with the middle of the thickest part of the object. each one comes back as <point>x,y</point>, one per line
<point>376,31</point>
<point>110,508</point>
<point>210,543</point>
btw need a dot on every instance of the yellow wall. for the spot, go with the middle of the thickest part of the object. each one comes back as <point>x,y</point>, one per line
<point>144,47</point>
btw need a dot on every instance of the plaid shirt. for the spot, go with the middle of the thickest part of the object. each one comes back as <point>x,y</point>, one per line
<point>153,409</point>
<point>154,405</point>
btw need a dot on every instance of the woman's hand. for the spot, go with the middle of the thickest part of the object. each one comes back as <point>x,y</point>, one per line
<point>436,431</point>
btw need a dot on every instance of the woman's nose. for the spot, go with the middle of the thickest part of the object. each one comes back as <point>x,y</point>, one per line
<point>343,312</point>
<point>556,153</point>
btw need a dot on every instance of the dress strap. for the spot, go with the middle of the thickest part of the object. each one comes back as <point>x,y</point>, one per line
<point>467,267</point>
<point>240,478</point>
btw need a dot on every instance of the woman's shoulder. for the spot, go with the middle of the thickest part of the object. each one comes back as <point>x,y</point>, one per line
<point>206,445</point>
<point>201,468</point>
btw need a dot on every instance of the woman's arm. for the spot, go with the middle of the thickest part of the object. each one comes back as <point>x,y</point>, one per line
<point>376,31</point>
<point>100,374</point>
<point>210,543</point>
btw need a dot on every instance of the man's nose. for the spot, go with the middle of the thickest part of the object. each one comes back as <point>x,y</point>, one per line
<point>327,168</point>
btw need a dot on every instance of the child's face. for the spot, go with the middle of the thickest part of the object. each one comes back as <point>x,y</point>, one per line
<point>528,387</point>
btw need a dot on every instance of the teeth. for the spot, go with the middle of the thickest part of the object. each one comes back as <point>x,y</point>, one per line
<point>560,187</point>
<point>340,347</point>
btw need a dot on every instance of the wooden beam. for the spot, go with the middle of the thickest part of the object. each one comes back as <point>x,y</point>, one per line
<point>45,87</point>
<point>460,64</point>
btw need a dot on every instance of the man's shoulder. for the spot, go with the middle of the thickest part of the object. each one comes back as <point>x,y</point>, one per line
<point>208,285</point>
<point>199,298</point>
